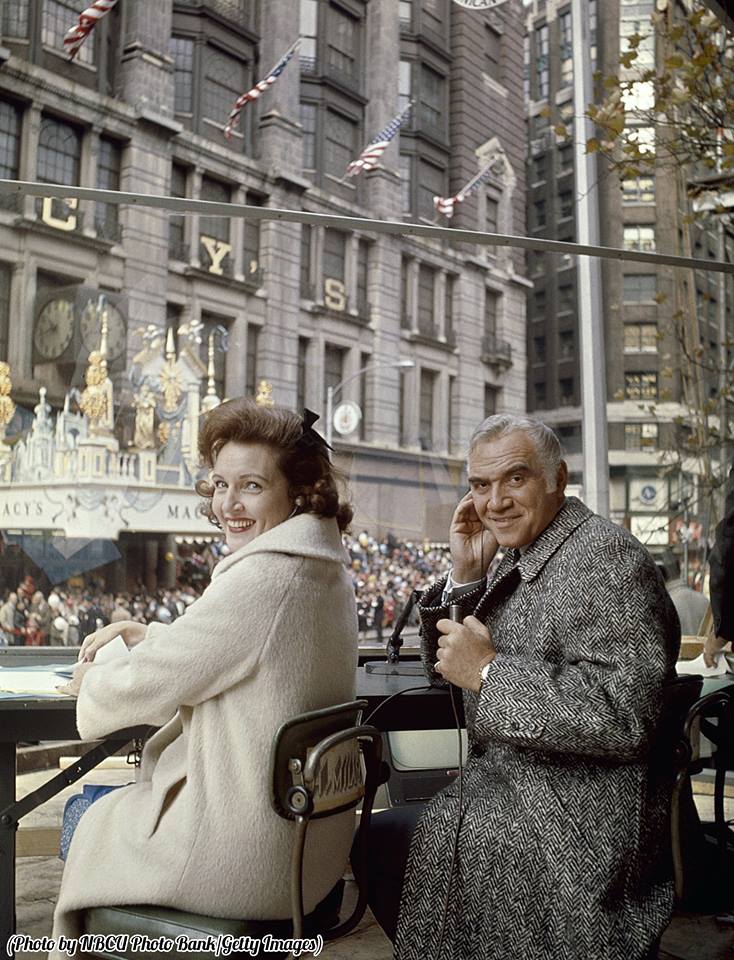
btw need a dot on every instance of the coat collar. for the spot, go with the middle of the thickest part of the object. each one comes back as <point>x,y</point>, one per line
<point>571,515</point>
<point>305,535</point>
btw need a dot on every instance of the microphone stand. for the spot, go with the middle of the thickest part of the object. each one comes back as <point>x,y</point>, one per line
<point>392,666</point>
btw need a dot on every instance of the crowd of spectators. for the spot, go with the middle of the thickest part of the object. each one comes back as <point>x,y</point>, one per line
<point>384,573</point>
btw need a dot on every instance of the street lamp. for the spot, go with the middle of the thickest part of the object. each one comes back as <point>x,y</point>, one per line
<point>331,392</point>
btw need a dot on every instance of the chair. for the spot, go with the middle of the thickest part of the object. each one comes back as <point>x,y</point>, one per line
<point>322,763</point>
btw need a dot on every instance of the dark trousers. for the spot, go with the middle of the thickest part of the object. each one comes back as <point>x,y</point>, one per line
<point>388,845</point>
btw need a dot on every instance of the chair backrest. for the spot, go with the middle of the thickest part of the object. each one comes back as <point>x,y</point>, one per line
<point>323,763</point>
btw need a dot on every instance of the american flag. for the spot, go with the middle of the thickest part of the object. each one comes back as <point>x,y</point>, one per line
<point>369,157</point>
<point>445,205</point>
<point>260,87</point>
<point>88,19</point>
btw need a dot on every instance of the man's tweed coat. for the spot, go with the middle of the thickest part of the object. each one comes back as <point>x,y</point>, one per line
<point>273,635</point>
<point>562,849</point>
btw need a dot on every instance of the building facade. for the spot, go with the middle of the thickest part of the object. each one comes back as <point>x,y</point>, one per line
<point>643,352</point>
<point>142,108</point>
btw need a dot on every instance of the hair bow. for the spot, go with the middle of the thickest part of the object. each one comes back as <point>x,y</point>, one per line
<point>309,435</point>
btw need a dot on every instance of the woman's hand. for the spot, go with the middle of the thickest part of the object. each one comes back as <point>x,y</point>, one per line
<point>72,688</point>
<point>130,631</point>
<point>472,545</point>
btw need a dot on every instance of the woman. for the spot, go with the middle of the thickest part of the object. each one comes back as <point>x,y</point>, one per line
<point>273,635</point>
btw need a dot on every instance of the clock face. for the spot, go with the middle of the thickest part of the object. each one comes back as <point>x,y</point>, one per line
<point>54,328</point>
<point>91,329</point>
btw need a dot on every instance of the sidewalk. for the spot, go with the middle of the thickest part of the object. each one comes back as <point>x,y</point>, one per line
<point>38,878</point>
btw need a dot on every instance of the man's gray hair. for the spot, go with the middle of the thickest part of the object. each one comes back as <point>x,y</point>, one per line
<point>547,444</point>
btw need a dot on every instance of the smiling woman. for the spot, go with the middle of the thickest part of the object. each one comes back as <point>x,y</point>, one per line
<point>274,635</point>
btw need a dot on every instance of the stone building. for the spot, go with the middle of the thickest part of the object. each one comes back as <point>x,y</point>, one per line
<point>142,109</point>
<point>643,354</point>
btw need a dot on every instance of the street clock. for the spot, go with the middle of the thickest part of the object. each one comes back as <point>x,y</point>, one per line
<point>54,329</point>
<point>91,328</point>
<point>68,326</point>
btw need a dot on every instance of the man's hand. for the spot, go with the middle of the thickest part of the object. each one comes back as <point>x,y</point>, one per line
<point>711,647</point>
<point>472,545</point>
<point>463,650</point>
<point>131,632</point>
<point>72,688</point>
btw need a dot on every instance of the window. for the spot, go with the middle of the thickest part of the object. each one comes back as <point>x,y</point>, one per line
<point>539,349</point>
<point>59,157</point>
<point>406,13</point>
<point>640,386</point>
<point>448,311</point>
<point>431,183</point>
<point>405,318</point>
<point>566,298</point>
<point>490,400</point>
<point>364,383</point>
<point>217,327</point>
<point>566,48</point>
<point>402,409</point>
<point>14,24</point>
<point>58,16</point>
<point>592,15</point>
<point>426,315</point>
<point>428,383</point>
<point>176,221</point>
<point>539,169</point>
<point>59,152</point>
<point>340,143</point>
<point>306,285</point>
<point>308,122</point>
<point>638,190</point>
<point>640,338</point>
<point>492,217</point>
<point>309,14</point>
<point>224,79</point>
<point>106,219</point>
<point>639,287</point>
<point>490,312</point>
<point>643,138</point>
<point>493,50</point>
<point>431,102</point>
<point>566,204</point>
<point>5,275</point>
<point>10,121</point>
<point>333,368</point>
<point>639,238</point>
<point>570,436</point>
<point>645,59</point>
<point>541,63</point>
<point>565,158</point>
<point>539,394</point>
<point>640,436</point>
<point>406,164</point>
<point>566,345</point>
<point>215,229</point>
<point>539,303</point>
<point>182,53</point>
<point>539,214</point>
<point>253,339</point>
<point>363,262</point>
<point>335,254</point>
<point>301,373</point>
<point>405,86</point>
<point>566,392</point>
<point>342,46</point>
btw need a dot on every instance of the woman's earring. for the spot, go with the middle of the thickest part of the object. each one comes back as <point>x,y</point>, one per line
<point>297,504</point>
<point>299,501</point>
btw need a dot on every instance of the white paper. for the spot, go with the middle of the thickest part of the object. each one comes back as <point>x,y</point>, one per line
<point>13,680</point>
<point>113,650</point>
<point>698,666</point>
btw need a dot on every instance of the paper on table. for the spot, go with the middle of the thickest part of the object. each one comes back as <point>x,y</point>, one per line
<point>13,680</point>
<point>698,666</point>
<point>113,650</point>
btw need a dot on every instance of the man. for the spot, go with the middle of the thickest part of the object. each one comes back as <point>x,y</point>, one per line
<point>721,580</point>
<point>562,836</point>
<point>690,605</point>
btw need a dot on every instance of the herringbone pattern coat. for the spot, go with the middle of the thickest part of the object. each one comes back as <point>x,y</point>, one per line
<point>563,848</point>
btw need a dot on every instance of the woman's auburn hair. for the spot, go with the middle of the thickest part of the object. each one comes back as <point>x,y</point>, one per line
<point>302,456</point>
